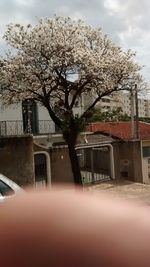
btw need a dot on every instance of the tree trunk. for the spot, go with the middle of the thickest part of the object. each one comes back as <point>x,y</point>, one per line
<point>70,136</point>
<point>74,163</point>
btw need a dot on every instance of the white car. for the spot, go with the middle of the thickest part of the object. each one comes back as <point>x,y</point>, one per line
<point>8,188</point>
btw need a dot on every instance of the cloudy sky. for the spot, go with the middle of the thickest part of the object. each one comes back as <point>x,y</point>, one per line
<point>126,22</point>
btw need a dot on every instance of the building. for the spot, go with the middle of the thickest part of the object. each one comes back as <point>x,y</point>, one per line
<point>107,151</point>
<point>107,103</point>
<point>28,117</point>
<point>31,117</point>
<point>40,160</point>
<point>127,103</point>
<point>44,160</point>
<point>121,100</point>
<point>132,153</point>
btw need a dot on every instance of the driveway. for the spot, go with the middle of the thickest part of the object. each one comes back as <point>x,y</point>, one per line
<point>124,189</point>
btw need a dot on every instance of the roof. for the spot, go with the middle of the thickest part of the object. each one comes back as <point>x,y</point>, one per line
<point>121,130</point>
<point>95,138</point>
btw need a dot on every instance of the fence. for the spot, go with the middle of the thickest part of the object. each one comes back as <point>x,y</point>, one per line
<point>95,164</point>
<point>17,128</point>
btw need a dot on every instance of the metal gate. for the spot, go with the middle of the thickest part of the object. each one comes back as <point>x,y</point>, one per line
<point>96,163</point>
<point>40,170</point>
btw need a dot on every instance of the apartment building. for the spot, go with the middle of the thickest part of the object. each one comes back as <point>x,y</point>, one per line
<point>105,104</point>
<point>126,102</point>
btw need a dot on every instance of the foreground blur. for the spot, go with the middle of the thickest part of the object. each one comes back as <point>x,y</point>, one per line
<point>67,227</point>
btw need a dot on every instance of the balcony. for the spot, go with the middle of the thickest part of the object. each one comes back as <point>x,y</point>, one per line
<point>8,128</point>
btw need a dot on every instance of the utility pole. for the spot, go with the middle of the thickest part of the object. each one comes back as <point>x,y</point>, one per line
<point>132,114</point>
<point>136,113</point>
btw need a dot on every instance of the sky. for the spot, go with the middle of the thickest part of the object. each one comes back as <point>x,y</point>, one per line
<point>125,22</point>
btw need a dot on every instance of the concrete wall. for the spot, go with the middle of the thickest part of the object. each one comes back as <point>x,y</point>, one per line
<point>145,163</point>
<point>11,113</point>
<point>14,112</point>
<point>60,167</point>
<point>42,113</point>
<point>128,162</point>
<point>137,162</point>
<point>16,159</point>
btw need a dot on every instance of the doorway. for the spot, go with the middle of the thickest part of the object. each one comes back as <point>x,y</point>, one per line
<point>42,169</point>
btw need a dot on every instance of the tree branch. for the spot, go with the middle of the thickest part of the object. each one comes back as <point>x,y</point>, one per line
<point>52,114</point>
<point>78,93</point>
<point>108,92</point>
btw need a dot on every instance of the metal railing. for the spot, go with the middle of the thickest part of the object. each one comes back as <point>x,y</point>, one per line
<point>17,128</point>
<point>46,126</point>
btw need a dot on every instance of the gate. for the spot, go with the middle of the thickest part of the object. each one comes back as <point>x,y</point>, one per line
<point>40,170</point>
<point>96,163</point>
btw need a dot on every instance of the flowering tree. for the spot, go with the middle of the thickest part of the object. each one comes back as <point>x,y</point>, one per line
<point>57,62</point>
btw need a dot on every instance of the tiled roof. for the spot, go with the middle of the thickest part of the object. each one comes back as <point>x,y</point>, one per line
<point>121,130</point>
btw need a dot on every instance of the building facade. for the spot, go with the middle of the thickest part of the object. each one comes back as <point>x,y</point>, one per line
<point>28,117</point>
<point>31,117</point>
<point>125,102</point>
<point>132,154</point>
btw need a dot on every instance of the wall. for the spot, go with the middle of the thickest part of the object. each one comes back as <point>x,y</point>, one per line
<point>45,127</point>
<point>146,163</point>
<point>128,163</point>
<point>16,159</point>
<point>42,113</point>
<point>14,112</point>
<point>59,163</point>
<point>11,113</point>
<point>60,166</point>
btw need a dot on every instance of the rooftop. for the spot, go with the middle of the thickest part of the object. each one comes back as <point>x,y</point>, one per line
<point>120,130</point>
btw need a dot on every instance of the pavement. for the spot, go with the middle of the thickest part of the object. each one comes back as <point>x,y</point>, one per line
<point>123,189</point>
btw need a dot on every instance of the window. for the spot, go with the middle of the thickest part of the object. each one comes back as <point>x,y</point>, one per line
<point>107,107</point>
<point>146,151</point>
<point>5,190</point>
<point>105,100</point>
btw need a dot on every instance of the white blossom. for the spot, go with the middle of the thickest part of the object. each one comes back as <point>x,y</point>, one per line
<point>58,48</point>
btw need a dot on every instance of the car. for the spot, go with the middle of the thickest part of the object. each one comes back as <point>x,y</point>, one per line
<point>8,188</point>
